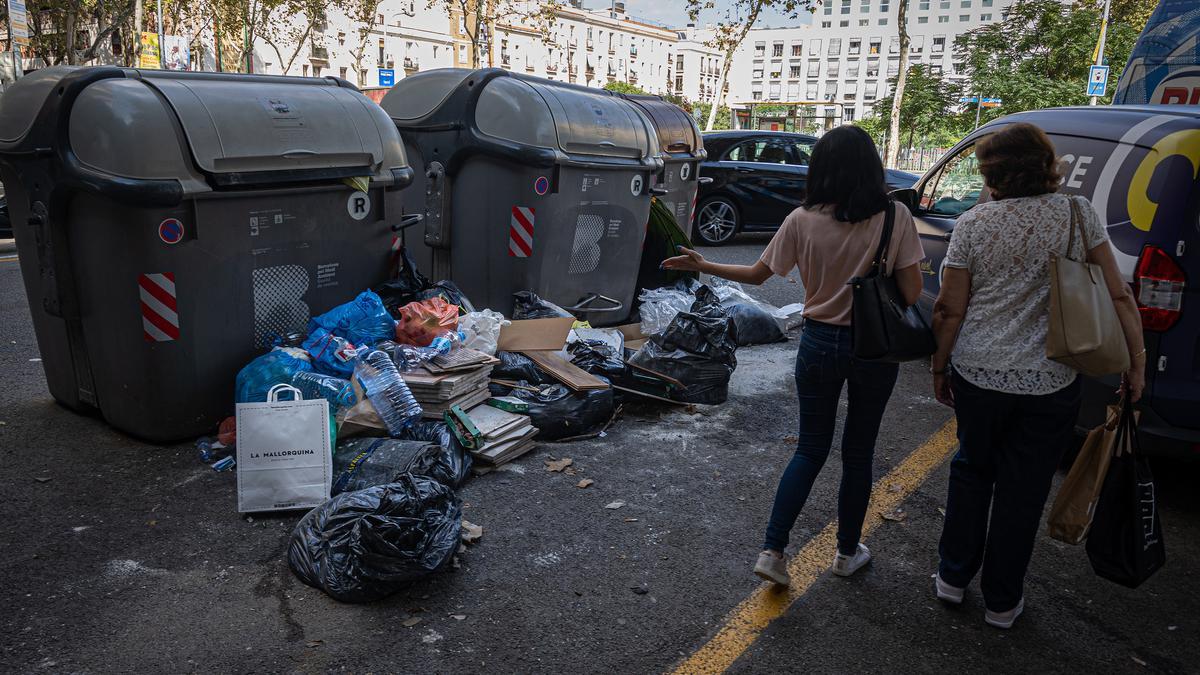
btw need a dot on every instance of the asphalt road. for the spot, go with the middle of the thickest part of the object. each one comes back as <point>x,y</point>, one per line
<point>122,556</point>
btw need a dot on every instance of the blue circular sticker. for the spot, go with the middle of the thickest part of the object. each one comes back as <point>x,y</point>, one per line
<point>170,231</point>
<point>541,186</point>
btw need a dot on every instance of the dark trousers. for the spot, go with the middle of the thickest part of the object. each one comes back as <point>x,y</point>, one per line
<point>823,365</point>
<point>1009,449</point>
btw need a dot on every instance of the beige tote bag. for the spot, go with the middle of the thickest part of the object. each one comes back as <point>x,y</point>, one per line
<point>1084,330</point>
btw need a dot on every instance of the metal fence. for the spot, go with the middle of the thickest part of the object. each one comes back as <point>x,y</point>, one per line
<point>917,160</point>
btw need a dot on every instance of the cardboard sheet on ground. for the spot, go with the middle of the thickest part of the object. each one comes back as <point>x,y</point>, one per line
<point>535,334</point>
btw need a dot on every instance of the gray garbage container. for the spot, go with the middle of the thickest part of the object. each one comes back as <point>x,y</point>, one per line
<point>529,184</point>
<point>169,224</point>
<point>682,149</point>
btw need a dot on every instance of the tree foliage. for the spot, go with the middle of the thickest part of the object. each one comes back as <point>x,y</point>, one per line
<point>625,88</point>
<point>926,111</point>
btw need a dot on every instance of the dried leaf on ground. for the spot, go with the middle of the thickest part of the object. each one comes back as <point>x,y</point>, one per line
<point>895,515</point>
<point>942,511</point>
<point>557,465</point>
<point>315,643</point>
<point>614,505</point>
<point>458,617</point>
<point>411,621</point>
<point>895,488</point>
<point>586,482</point>
<point>631,520</point>
<point>471,532</point>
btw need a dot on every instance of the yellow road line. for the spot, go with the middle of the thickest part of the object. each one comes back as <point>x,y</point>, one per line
<point>747,621</point>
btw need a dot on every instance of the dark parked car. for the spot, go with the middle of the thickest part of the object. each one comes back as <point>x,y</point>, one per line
<point>758,178</point>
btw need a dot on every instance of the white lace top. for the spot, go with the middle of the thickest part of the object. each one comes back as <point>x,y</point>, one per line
<point>1006,246</point>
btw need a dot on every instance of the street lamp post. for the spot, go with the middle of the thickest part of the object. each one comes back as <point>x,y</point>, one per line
<point>1100,45</point>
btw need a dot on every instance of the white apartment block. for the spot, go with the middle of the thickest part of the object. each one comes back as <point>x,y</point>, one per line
<point>589,47</point>
<point>697,66</point>
<point>841,62</point>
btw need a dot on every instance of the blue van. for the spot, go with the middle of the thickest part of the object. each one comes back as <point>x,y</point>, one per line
<point>1140,167</point>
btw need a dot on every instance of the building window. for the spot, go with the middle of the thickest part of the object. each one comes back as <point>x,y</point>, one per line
<point>943,19</point>
<point>814,68</point>
<point>959,68</point>
<point>843,23</point>
<point>966,4</point>
<point>852,68</point>
<point>922,19</point>
<point>794,71</point>
<point>758,72</point>
<point>883,6</point>
<point>774,92</point>
<point>382,55</point>
<point>964,17</point>
<point>918,44</point>
<point>379,19</point>
<point>342,73</point>
<point>830,89</point>
<point>864,22</point>
<point>814,47</point>
<point>760,49</point>
<point>870,91</point>
<point>855,46</point>
<point>777,50</point>
<point>810,92</point>
<point>826,24</point>
<point>939,44</point>
<point>985,17</point>
<point>776,71</point>
<point>849,117</point>
<point>872,67</point>
<point>923,5</point>
<point>851,92</point>
<point>829,9</point>
<point>798,49</point>
<point>936,70</point>
<point>832,68</point>
<point>756,92</point>
<point>893,67</point>
<point>987,3</point>
<point>883,22</point>
<point>845,8</point>
<point>864,6</point>
<point>894,46</point>
<point>793,91</point>
<point>835,46</point>
<point>944,4</point>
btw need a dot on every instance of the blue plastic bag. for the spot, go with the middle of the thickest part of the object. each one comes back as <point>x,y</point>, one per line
<point>331,354</point>
<point>256,378</point>
<point>363,321</point>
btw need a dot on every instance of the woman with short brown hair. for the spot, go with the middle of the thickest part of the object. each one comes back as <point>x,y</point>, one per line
<point>1016,409</point>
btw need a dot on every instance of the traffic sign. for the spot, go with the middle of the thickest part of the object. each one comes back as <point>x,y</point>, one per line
<point>387,77</point>
<point>1097,81</point>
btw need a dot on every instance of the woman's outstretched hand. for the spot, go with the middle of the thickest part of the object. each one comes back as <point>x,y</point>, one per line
<point>690,261</point>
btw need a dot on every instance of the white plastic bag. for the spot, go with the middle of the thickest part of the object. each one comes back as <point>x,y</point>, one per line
<point>659,307</point>
<point>482,329</point>
<point>283,455</point>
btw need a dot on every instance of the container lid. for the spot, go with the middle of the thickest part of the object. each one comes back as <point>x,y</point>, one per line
<point>677,131</point>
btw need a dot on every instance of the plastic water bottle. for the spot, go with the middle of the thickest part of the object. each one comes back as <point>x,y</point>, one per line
<point>337,391</point>
<point>448,341</point>
<point>387,391</point>
<point>205,450</point>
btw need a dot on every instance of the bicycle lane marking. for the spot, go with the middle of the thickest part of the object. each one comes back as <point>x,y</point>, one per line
<point>746,622</point>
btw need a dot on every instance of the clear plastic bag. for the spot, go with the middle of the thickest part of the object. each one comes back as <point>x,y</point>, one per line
<point>482,330</point>
<point>660,305</point>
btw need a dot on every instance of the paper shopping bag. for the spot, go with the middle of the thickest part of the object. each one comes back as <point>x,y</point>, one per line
<point>1073,508</point>
<point>283,455</point>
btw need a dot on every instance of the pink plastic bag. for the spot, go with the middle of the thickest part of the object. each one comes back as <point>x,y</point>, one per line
<point>420,322</point>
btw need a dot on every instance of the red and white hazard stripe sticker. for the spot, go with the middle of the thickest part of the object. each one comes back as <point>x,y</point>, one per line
<point>520,232</point>
<point>160,315</point>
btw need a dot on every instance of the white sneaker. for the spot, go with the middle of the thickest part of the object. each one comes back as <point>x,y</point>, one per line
<point>1004,619</point>
<point>845,565</point>
<point>946,592</point>
<point>772,567</point>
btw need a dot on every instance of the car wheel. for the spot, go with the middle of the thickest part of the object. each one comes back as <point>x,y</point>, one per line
<point>716,222</point>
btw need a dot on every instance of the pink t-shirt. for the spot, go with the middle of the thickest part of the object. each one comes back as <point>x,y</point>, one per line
<point>829,253</point>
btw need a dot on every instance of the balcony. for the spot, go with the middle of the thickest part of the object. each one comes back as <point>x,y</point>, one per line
<point>319,54</point>
<point>633,77</point>
<point>551,68</point>
<point>590,46</point>
<point>411,65</point>
<point>632,51</point>
<point>611,51</point>
<point>505,60</point>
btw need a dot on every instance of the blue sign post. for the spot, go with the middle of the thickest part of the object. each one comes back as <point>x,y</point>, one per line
<point>1097,81</point>
<point>387,77</point>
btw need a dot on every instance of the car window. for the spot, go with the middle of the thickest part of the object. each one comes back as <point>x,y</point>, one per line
<point>769,151</point>
<point>801,153</point>
<point>956,187</point>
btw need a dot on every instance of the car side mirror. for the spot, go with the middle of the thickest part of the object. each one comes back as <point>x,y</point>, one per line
<point>907,197</point>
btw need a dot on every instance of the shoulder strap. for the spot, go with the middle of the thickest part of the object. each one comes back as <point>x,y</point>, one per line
<point>885,238</point>
<point>1076,223</point>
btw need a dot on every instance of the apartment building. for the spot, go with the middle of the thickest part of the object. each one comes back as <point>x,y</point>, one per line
<point>591,47</point>
<point>697,66</point>
<point>842,61</point>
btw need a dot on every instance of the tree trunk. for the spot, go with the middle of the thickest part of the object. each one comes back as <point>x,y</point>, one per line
<point>893,145</point>
<point>137,33</point>
<point>69,37</point>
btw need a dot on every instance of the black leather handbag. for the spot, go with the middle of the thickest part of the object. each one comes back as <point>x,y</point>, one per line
<point>882,327</point>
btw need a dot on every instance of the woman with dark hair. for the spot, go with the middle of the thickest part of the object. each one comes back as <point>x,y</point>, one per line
<point>831,238</point>
<point>1016,409</point>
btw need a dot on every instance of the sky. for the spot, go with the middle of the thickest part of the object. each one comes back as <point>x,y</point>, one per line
<point>674,12</point>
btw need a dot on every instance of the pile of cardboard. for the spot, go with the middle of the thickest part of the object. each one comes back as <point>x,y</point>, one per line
<point>503,436</point>
<point>459,379</point>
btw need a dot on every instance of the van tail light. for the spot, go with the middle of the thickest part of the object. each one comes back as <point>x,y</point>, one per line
<point>1158,285</point>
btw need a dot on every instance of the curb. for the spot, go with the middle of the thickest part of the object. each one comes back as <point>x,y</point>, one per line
<point>8,245</point>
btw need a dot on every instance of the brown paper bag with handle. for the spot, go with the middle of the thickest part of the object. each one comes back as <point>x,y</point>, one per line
<point>1073,508</point>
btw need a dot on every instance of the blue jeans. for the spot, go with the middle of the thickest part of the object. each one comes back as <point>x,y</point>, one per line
<point>1009,448</point>
<point>823,365</point>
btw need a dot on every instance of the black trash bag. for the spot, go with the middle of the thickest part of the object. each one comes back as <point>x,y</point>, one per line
<point>697,348</point>
<point>455,455</point>
<point>753,325</point>
<point>515,367</point>
<point>1125,542</point>
<point>409,285</point>
<point>527,305</point>
<point>558,413</point>
<point>597,358</point>
<point>364,462</point>
<point>365,545</point>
